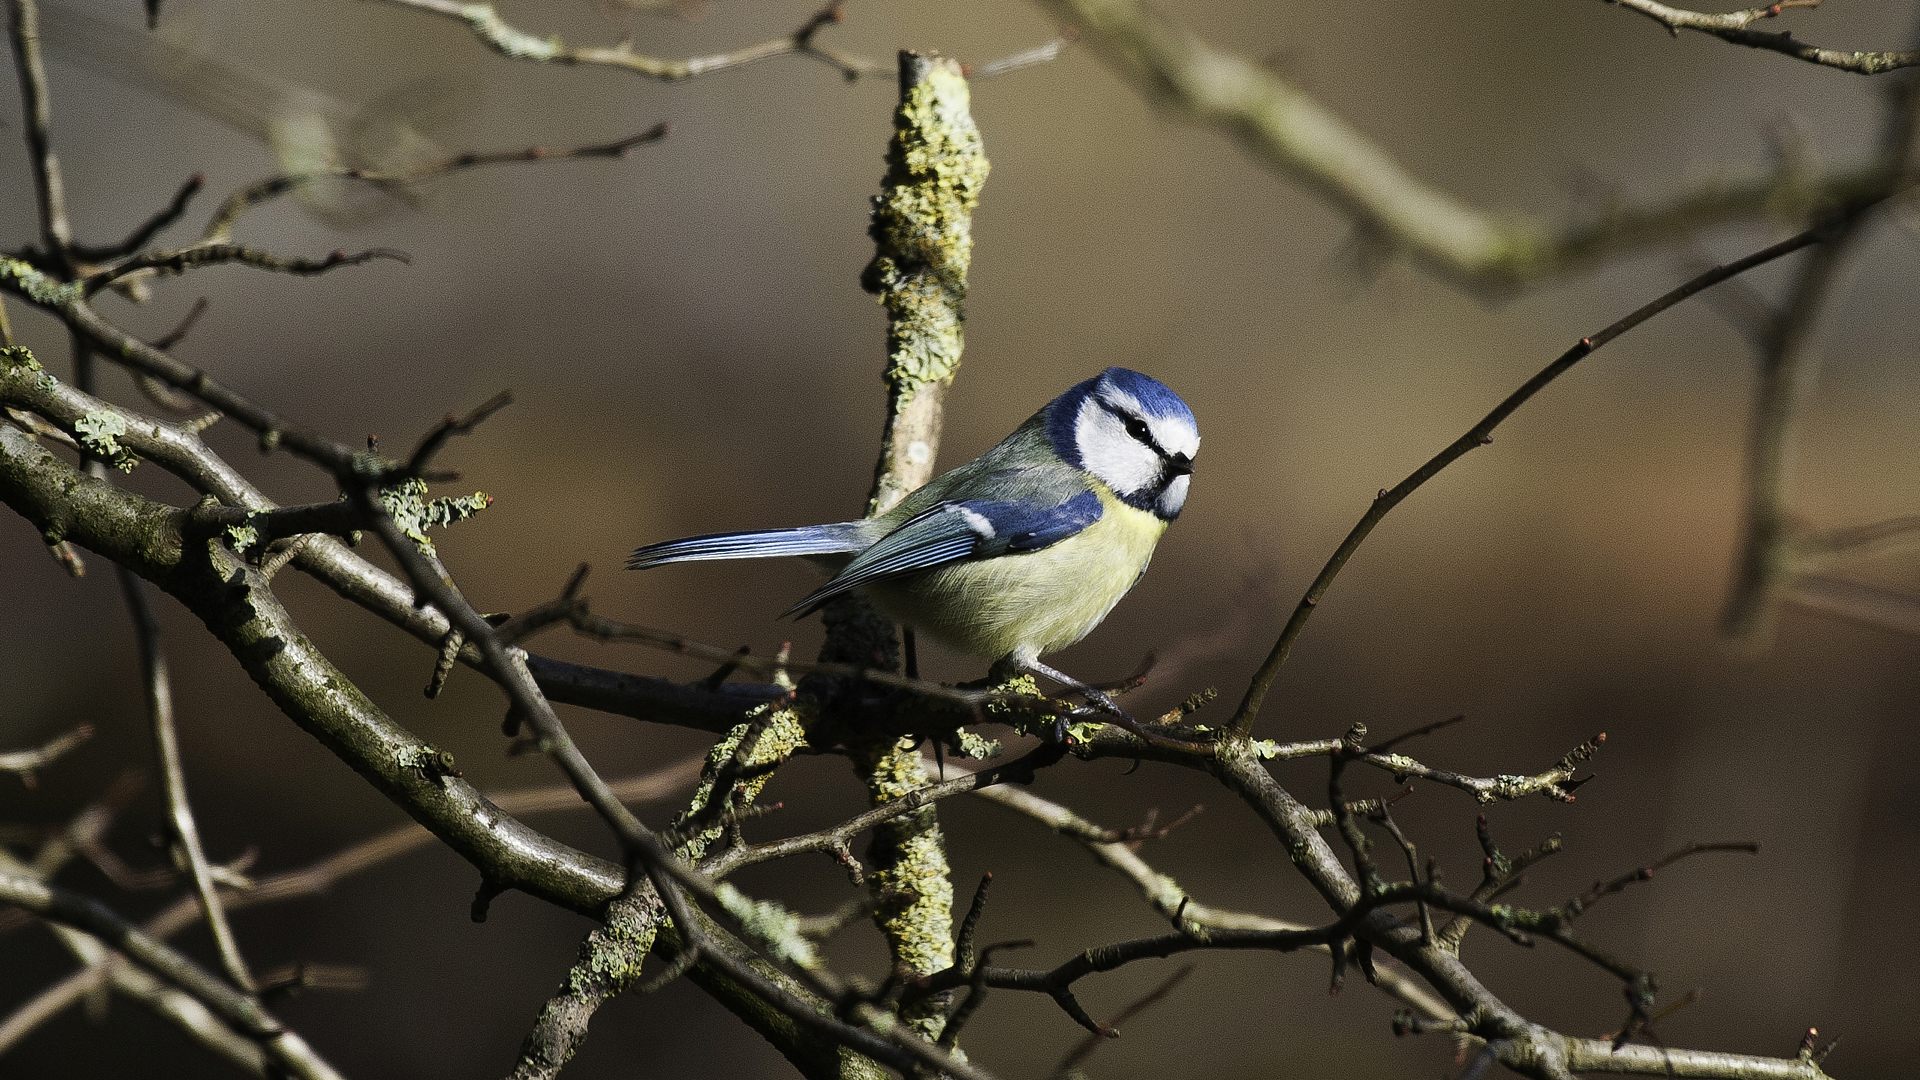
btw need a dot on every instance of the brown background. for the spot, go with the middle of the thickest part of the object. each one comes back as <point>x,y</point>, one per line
<point>690,352</point>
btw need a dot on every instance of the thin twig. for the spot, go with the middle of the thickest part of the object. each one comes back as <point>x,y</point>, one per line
<point>149,229</point>
<point>153,671</point>
<point>516,44</point>
<point>1480,435</point>
<point>185,259</point>
<point>1134,1008</point>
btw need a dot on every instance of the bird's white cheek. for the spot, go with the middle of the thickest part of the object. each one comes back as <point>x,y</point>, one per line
<point>1172,499</point>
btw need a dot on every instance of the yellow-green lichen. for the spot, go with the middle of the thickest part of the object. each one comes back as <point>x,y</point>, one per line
<point>242,537</point>
<point>99,432</point>
<point>923,228</point>
<point>408,505</point>
<point>977,747</point>
<point>779,733</point>
<point>40,288</point>
<point>16,358</point>
<point>909,872</point>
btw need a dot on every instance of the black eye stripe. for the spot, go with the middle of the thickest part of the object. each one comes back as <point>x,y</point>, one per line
<point>1136,427</point>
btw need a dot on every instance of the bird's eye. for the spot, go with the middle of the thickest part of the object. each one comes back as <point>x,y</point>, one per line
<point>1137,428</point>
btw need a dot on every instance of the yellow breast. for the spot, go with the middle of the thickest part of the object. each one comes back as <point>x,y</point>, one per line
<point>1032,603</point>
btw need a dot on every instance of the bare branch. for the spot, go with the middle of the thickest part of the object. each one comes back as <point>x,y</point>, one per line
<point>1733,26</point>
<point>243,1013</point>
<point>56,231</point>
<point>151,228</point>
<point>516,44</point>
<point>179,262</point>
<point>23,763</point>
<point>1173,902</point>
<point>153,670</point>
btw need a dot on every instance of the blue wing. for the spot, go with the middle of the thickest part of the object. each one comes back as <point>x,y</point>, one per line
<point>953,531</point>
<point>810,540</point>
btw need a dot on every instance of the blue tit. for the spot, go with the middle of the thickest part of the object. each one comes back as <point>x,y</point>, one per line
<point>1020,552</point>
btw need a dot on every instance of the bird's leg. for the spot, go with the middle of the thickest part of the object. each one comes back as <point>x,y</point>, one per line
<point>1105,704</point>
<point>913,672</point>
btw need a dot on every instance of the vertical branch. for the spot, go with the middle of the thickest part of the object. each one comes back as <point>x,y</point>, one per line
<point>909,877</point>
<point>153,672</point>
<point>923,236</point>
<point>55,231</point>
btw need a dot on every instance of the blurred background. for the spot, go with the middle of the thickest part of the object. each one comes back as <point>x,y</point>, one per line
<point>690,351</point>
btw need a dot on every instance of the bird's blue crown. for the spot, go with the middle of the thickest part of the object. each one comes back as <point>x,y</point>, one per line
<point>1157,400</point>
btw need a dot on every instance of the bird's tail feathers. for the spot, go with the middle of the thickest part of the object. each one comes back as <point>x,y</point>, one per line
<point>809,540</point>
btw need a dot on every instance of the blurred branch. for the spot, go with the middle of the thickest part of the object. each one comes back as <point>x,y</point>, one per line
<point>1858,601</point>
<point>104,968</point>
<point>23,763</point>
<point>1464,244</point>
<point>1765,560</point>
<point>1479,435</point>
<point>236,1009</point>
<point>516,44</point>
<point>1857,541</point>
<point>1045,53</point>
<point>320,878</point>
<point>1733,26</point>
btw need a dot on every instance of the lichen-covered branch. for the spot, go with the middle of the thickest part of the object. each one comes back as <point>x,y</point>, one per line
<point>1735,26</point>
<point>923,236</point>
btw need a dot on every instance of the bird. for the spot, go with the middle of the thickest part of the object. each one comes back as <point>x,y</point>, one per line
<point>1018,553</point>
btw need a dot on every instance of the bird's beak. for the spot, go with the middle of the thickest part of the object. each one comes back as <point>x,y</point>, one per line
<point>1180,465</point>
